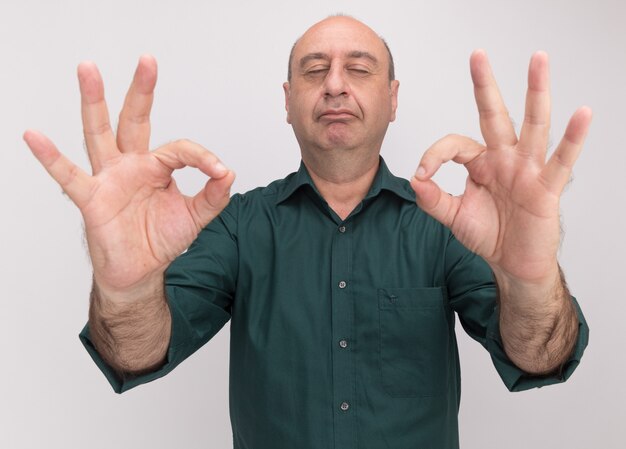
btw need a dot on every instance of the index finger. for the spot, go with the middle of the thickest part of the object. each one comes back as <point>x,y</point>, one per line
<point>185,153</point>
<point>495,123</point>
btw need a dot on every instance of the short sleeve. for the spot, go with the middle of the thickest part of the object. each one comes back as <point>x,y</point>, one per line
<point>472,294</point>
<point>200,287</point>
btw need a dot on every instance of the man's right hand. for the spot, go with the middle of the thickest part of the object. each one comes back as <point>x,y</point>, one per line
<point>136,220</point>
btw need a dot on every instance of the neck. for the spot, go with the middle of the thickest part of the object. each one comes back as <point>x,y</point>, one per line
<point>343,183</point>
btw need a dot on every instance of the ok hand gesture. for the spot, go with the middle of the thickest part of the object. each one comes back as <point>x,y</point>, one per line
<point>509,212</point>
<point>136,220</point>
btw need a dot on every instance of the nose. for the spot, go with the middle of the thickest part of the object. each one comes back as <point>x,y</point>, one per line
<point>336,84</point>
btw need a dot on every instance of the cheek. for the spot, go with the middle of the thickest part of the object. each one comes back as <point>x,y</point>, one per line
<point>382,106</point>
<point>301,108</point>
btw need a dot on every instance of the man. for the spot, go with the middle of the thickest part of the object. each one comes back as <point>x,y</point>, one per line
<point>340,287</point>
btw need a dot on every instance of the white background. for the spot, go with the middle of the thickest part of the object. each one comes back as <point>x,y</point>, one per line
<point>221,68</point>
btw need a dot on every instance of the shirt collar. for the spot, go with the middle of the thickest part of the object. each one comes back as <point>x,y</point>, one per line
<point>384,180</point>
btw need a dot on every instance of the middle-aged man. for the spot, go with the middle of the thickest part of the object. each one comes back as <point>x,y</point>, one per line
<point>341,281</point>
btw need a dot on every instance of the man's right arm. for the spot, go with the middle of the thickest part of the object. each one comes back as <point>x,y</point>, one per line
<point>136,220</point>
<point>131,334</point>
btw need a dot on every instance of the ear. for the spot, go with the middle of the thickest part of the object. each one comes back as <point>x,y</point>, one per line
<point>393,92</point>
<point>286,88</point>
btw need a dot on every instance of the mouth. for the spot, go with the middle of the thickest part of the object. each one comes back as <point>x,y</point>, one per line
<point>336,115</point>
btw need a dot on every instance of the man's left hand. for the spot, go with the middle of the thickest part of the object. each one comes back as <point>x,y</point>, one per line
<point>509,212</point>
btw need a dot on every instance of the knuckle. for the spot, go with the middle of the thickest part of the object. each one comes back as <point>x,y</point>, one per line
<point>182,142</point>
<point>489,113</point>
<point>535,119</point>
<point>561,160</point>
<point>71,176</point>
<point>135,119</point>
<point>98,129</point>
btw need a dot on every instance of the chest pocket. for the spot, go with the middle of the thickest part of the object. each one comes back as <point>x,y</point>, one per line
<point>414,341</point>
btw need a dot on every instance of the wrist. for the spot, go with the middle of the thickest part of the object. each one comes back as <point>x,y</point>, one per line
<point>147,289</point>
<point>543,295</point>
<point>528,278</point>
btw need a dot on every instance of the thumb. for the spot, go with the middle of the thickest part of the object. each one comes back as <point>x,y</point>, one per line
<point>440,205</point>
<point>212,199</point>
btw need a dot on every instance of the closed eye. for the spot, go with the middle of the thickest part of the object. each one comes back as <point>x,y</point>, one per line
<point>316,71</point>
<point>359,71</point>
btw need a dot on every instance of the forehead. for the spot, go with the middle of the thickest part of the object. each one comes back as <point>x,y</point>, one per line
<point>338,36</point>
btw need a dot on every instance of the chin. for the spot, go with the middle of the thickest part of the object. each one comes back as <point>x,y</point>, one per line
<point>338,145</point>
<point>340,140</point>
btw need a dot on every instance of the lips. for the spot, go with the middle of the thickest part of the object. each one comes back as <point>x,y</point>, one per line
<point>336,114</point>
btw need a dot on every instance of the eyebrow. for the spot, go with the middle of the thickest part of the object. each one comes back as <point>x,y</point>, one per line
<point>363,54</point>
<point>356,54</point>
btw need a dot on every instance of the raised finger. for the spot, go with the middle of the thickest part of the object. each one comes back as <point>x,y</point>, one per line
<point>96,124</point>
<point>533,139</point>
<point>495,123</point>
<point>459,149</point>
<point>558,170</point>
<point>185,153</point>
<point>133,130</point>
<point>72,179</point>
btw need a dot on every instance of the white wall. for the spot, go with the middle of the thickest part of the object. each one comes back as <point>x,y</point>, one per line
<point>221,69</point>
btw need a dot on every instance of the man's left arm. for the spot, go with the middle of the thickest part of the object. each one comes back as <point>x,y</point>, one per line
<point>538,323</point>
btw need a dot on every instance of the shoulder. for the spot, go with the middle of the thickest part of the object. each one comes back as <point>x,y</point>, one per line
<point>266,193</point>
<point>260,198</point>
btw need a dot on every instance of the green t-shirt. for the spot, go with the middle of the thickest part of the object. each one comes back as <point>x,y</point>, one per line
<point>342,331</point>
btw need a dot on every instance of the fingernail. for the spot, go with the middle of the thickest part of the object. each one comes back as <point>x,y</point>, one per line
<point>221,168</point>
<point>421,171</point>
